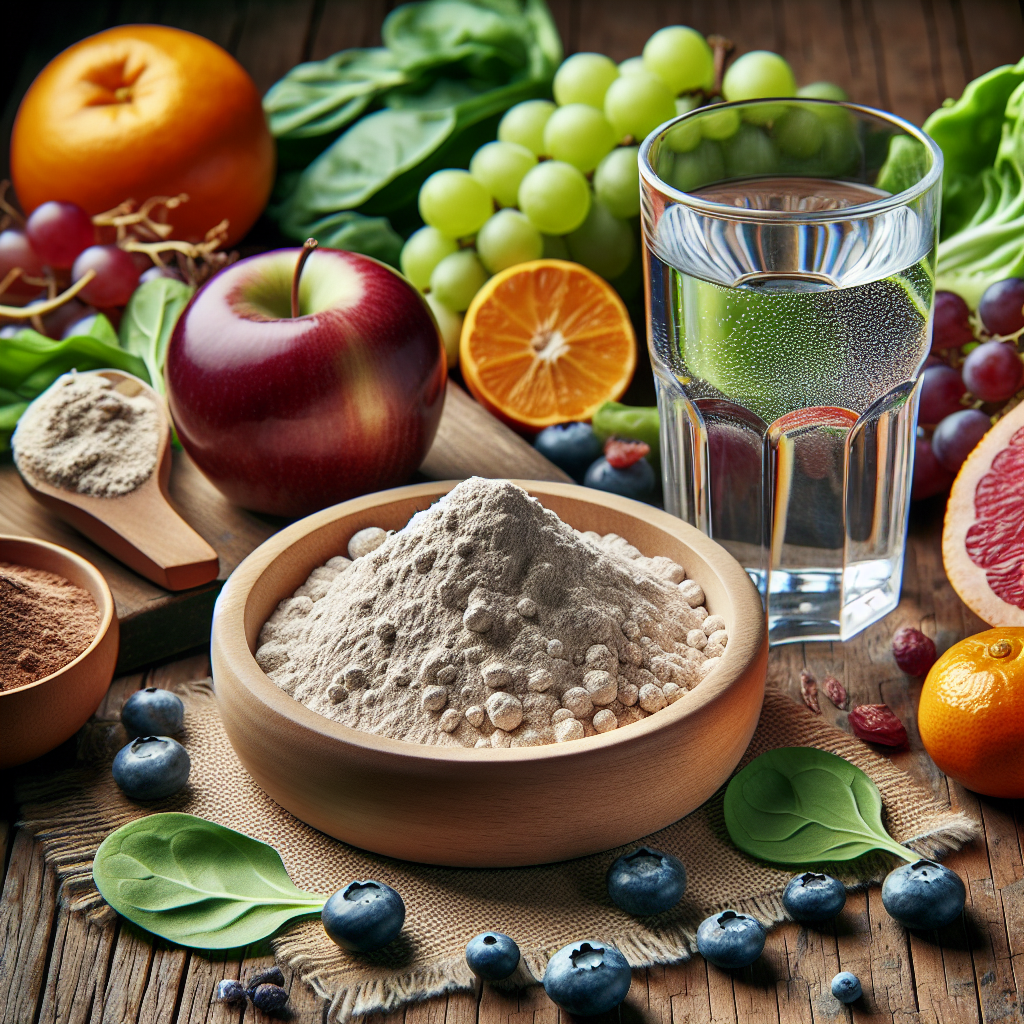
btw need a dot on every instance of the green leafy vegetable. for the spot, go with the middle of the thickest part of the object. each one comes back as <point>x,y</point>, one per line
<point>800,805</point>
<point>149,320</point>
<point>198,883</point>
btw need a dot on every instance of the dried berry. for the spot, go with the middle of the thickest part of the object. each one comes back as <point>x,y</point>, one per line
<point>809,691</point>
<point>876,723</point>
<point>914,652</point>
<point>268,976</point>
<point>230,991</point>
<point>269,998</point>
<point>836,692</point>
<point>621,453</point>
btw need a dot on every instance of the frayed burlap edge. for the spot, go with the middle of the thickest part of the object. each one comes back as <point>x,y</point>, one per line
<point>70,837</point>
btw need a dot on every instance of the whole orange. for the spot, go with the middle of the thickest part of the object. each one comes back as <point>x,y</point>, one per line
<point>971,714</point>
<point>140,111</point>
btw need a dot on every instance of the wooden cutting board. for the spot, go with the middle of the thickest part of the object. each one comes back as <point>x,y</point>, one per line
<point>156,623</point>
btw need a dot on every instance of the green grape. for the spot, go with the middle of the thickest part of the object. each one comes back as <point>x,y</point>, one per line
<point>759,75</point>
<point>449,323</point>
<point>841,152</point>
<point>524,124</point>
<point>455,203</point>
<point>602,242</point>
<point>632,66</point>
<point>799,133</point>
<point>750,153</point>
<point>499,167</point>
<point>684,137</point>
<point>584,78</point>
<point>506,239</point>
<point>422,252</point>
<point>555,196</point>
<point>687,102</point>
<point>555,248</point>
<point>617,182</point>
<point>681,57</point>
<point>691,171</point>
<point>456,279</point>
<point>722,124</point>
<point>579,135</point>
<point>826,91</point>
<point>636,104</point>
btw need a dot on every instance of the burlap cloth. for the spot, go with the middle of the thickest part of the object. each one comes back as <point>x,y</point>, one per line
<point>542,908</point>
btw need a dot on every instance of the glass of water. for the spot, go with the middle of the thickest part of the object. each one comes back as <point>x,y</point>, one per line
<point>790,257</point>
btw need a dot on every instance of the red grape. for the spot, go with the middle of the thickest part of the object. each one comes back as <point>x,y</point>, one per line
<point>117,275</point>
<point>79,327</point>
<point>955,437</point>
<point>993,371</point>
<point>59,232</point>
<point>17,251</point>
<point>952,325</point>
<point>941,388</point>
<point>1002,306</point>
<point>57,322</point>
<point>929,476</point>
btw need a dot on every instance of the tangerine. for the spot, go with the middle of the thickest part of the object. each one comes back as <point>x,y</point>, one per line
<point>971,714</point>
<point>140,111</point>
<point>546,342</point>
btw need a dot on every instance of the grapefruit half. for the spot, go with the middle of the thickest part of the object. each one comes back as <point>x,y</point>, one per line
<point>983,535</point>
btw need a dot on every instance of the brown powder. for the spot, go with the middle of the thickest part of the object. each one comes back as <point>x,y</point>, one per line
<point>45,623</point>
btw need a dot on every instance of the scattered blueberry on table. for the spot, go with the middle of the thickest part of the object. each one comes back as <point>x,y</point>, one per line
<point>230,991</point>
<point>268,976</point>
<point>363,916</point>
<point>846,987</point>
<point>923,895</point>
<point>730,939</point>
<point>492,956</point>
<point>151,767</point>
<point>269,998</point>
<point>812,897</point>
<point>646,881</point>
<point>572,447</point>
<point>587,978</point>
<point>623,469</point>
<point>153,712</point>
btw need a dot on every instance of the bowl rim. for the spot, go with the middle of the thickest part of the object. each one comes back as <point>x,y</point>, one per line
<point>232,602</point>
<point>107,608</point>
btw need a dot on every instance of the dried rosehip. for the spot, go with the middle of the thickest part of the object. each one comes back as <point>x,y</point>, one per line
<point>621,454</point>
<point>836,692</point>
<point>809,691</point>
<point>875,723</point>
<point>914,652</point>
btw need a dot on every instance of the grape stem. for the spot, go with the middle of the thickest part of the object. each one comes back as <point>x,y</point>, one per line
<point>28,312</point>
<point>307,248</point>
<point>721,48</point>
<point>5,207</point>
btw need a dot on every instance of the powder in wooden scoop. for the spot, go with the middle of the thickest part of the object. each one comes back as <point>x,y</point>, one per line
<point>45,623</point>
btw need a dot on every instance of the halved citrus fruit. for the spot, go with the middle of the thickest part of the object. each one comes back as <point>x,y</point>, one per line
<point>983,535</point>
<point>546,342</point>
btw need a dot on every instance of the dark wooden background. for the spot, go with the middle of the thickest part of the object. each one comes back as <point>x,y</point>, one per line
<point>903,55</point>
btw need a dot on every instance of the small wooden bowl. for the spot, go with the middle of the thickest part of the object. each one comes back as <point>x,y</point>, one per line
<point>489,807</point>
<point>39,716</point>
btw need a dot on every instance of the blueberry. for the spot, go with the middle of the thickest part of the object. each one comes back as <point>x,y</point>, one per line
<point>153,712</point>
<point>813,897</point>
<point>846,987</point>
<point>730,939</point>
<point>570,446</point>
<point>230,991</point>
<point>268,976</point>
<point>635,481</point>
<point>151,767</point>
<point>269,998</point>
<point>363,916</point>
<point>646,881</point>
<point>587,978</point>
<point>923,895</point>
<point>492,956</point>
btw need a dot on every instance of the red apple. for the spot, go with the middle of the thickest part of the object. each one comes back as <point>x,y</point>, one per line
<point>290,414</point>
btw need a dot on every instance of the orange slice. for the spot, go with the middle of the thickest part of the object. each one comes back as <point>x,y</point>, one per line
<point>546,342</point>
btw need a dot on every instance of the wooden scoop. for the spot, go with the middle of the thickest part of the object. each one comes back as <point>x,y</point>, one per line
<point>140,528</point>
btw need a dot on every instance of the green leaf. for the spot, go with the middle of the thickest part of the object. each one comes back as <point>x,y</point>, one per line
<point>372,236</point>
<point>198,883</point>
<point>149,320</point>
<point>801,805</point>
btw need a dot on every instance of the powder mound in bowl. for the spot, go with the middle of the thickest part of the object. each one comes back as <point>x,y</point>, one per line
<point>487,621</point>
<point>45,623</point>
<point>83,434</point>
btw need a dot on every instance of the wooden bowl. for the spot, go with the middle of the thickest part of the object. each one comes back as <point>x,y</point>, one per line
<point>39,716</point>
<point>489,807</point>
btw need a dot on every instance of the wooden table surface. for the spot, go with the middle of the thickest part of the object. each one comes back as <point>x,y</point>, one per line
<point>904,55</point>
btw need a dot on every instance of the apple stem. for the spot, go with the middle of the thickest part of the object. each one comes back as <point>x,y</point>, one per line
<point>309,245</point>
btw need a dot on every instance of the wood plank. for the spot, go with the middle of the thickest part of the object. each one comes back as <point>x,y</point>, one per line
<point>346,23</point>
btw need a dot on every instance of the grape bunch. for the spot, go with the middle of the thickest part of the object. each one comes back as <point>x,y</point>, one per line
<point>973,372</point>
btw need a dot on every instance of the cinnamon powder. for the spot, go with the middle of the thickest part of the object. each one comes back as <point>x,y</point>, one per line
<point>45,623</point>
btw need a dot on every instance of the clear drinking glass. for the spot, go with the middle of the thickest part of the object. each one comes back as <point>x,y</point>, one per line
<point>790,257</point>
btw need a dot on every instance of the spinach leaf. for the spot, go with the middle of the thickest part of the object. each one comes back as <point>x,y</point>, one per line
<point>372,236</point>
<point>198,883</point>
<point>149,320</point>
<point>801,805</point>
